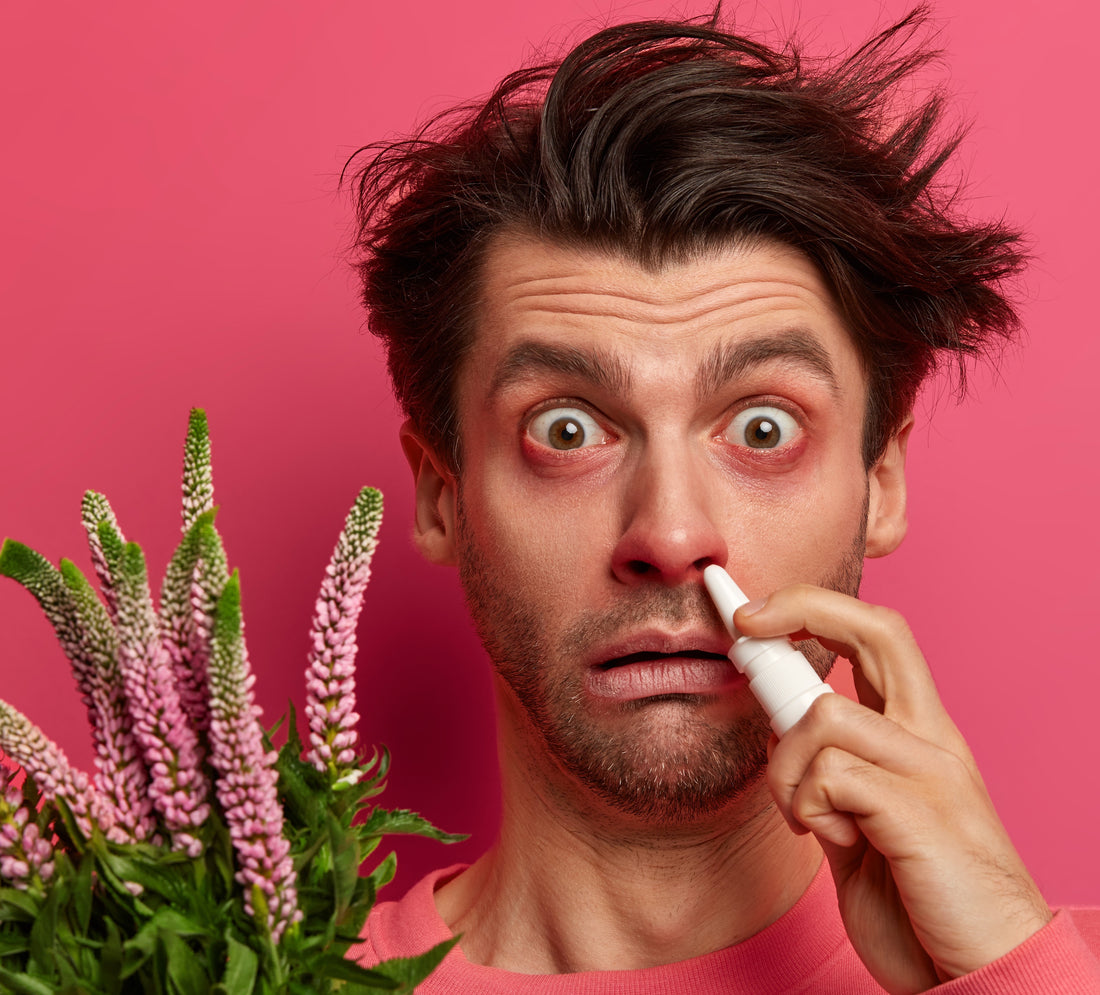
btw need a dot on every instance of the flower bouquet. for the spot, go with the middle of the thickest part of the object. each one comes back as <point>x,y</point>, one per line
<point>198,859</point>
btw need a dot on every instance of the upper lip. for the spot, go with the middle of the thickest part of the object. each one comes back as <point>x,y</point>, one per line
<point>658,642</point>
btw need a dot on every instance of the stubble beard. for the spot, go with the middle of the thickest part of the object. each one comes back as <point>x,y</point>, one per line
<point>677,774</point>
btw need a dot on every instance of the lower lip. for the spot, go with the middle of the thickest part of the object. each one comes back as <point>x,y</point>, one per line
<point>654,678</point>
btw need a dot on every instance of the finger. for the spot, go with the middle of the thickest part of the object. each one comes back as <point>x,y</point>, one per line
<point>818,802</point>
<point>844,799</point>
<point>834,723</point>
<point>890,669</point>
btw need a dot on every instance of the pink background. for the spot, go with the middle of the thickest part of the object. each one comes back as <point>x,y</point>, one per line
<point>171,237</point>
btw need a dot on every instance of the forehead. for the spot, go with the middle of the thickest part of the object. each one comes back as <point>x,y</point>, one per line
<point>543,303</point>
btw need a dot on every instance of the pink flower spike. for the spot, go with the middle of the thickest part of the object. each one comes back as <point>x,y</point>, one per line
<point>88,638</point>
<point>330,675</point>
<point>198,474</point>
<point>246,785</point>
<point>94,509</point>
<point>168,743</point>
<point>46,762</point>
<point>195,577</point>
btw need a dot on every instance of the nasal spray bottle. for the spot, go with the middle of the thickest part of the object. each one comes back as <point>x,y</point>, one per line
<point>779,676</point>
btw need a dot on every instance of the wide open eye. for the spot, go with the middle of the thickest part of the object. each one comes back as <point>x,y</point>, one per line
<point>762,427</point>
<point>566,428</point>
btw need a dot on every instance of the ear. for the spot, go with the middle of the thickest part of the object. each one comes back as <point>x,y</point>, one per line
<point>886,517</point>
<point>435,526</point>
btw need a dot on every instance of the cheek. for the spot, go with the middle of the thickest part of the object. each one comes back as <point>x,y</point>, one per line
<point>811,535</point>
<point>537,538</point>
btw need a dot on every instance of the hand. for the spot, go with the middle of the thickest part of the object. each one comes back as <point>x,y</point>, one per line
<point>929,884</point>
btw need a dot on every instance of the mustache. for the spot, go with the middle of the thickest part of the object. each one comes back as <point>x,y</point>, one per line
<point>677,607</point>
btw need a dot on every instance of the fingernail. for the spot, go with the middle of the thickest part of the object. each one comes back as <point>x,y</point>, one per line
<point>752,607</point>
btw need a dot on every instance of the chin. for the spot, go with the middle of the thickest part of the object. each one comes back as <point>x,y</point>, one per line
<point>669,768</point>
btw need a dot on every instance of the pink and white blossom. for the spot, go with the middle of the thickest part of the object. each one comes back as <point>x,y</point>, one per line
<point>170,748</point>
<point>246,782</point>
<point>330,675</point>
<point>46,762</point>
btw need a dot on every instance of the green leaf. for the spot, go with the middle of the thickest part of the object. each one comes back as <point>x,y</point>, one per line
<point>382,822</point>
<point>82,895</point>
<point>43,935</point>
<point>293,739</point>
<point>24,984</point>
<point>345,866</point>
<point>339,968</point>
<point>410,971</point>
<point>302,788</point>
<point>13,943</point>
<point>16,905</point>
<point>137,950</point>
<point>185,973</point>
<point>240,968</point>
<point>155,871</point>
<point>384,872</point>
<point>168,920</point>
<point>111,958</point>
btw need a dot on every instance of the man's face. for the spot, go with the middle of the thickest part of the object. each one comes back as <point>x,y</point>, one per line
<point>621,429</point>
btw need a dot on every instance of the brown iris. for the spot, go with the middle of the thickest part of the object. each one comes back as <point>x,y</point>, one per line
<point>762,432</point>
<point>566,433</point>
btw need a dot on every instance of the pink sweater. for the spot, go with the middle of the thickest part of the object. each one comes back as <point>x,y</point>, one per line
<point>806,951</point>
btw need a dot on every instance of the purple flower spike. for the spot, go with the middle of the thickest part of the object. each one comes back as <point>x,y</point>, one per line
<point>88,638</point>
<point>168,743</point>
<point>195,578</point>
<point>247,778</point>
<point>330,675</point>
<point>46,762</point>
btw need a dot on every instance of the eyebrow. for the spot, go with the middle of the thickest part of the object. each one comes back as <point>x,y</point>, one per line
<point>730,361</point>
<point>527,359</point>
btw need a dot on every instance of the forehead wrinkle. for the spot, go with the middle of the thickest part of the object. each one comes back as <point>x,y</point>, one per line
<point>664,304</point>
<point>529,359</point>
<point>731,361</point>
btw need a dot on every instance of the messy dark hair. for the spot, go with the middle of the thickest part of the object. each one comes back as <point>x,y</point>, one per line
<point>659,139</point>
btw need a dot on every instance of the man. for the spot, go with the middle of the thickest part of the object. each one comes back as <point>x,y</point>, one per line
<point>664,305</point>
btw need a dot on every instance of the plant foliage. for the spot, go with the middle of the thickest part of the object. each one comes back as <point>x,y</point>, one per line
<point>200,858</point>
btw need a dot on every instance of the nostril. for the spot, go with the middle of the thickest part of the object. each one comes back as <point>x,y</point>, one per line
<point>639,567</point>
<point>703,562</point>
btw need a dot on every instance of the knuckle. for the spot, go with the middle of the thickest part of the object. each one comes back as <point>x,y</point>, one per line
<point>889,624</point>
<point>955,771</point>
<point>828,709</point>
<point>830,763</point>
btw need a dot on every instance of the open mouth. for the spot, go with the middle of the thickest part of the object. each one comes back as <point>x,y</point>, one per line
<point>650,657</point>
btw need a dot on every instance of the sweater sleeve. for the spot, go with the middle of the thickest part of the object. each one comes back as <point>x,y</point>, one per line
<point>1062,958</point>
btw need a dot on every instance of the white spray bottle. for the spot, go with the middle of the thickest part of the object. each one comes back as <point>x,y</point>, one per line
<point>779,676</point>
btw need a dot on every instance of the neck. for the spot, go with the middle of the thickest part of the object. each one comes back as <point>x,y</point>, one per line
<point>572,885</point>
